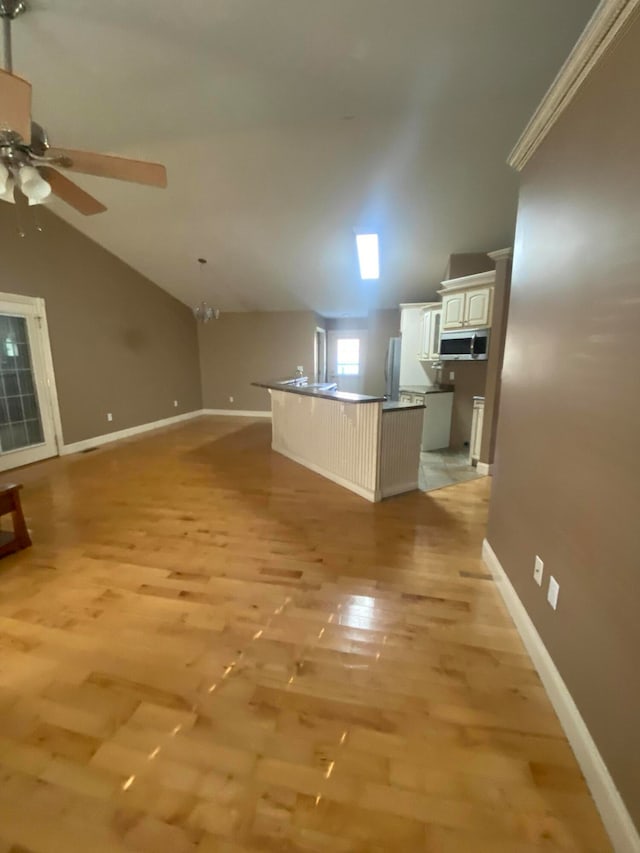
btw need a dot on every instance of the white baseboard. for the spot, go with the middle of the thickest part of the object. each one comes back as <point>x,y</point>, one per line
<point>347,484</point>
<point>236,413</point>
<point>107,438</point>
<point>617,820</point>
<point>484,468</point>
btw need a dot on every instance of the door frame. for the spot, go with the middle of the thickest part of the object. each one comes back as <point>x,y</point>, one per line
<point>320,333</point>
<point>35,307</point>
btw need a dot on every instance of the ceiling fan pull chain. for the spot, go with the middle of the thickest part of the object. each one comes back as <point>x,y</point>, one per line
<point>19,222</point>
<point>37,221</point>
<point>6,39</point>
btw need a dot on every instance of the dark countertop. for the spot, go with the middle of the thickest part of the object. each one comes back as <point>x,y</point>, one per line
<point>396,406</point>
<point>427,389</point>
<point>290,387</point>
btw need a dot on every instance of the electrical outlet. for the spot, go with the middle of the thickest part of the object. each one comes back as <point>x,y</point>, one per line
<point>300,369</point>
<point>538,570</point>
<point>554,591</point>
<point>109,416</point>
<point>175,404</point>
<point>231,399</point>
<point>452,375</point>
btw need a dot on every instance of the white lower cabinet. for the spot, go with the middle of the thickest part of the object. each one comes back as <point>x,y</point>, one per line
<point>436,428</point>
<point>476,431</point>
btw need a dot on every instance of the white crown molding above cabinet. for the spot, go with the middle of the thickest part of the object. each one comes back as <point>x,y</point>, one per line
<point>605,25</point>
<point>479,279</point>
<point>615,816</point>
<point>419,305</point>
<point>501,254</point>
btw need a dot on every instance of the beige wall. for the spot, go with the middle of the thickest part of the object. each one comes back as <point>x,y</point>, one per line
<point>501,296</point>
<point>470,381</point>
<point>468,263</point>
<point>241,348</point>
<point>471,377</point>
<point>382,325</point>
<point>120,344</point>
<point>567,479</point>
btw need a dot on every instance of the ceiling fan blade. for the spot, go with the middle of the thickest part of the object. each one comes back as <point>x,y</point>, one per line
<point>15,105</point>
<point>109,166</point>
<point>74,195</point>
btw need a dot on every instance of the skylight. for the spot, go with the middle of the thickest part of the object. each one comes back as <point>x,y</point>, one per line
<point>368,256</point>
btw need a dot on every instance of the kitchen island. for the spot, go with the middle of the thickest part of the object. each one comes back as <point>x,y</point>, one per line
<point>366,444</point>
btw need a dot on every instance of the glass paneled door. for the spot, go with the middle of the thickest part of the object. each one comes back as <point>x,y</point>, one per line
<point>27,397</point>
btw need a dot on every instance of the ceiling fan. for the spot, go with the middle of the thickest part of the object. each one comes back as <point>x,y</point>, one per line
<point>27,160</point>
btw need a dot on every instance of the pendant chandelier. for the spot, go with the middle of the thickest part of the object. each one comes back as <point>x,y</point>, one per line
<point>204,312</point>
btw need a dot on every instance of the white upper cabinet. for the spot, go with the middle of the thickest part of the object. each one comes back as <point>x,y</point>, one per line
<point>468,301</point>
<point>430,333</point>
<point>411,326</point>
<point>434,340</point>
<point>453,310</point>
<point>425,334</point>
<point>477,307</point>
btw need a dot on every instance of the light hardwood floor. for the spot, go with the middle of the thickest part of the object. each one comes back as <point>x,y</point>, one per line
<point>210,648</point>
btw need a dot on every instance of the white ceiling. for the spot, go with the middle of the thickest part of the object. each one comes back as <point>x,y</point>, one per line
<point>286,123</point>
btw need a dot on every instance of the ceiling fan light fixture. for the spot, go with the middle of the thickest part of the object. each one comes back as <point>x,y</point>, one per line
<point>33,185</point>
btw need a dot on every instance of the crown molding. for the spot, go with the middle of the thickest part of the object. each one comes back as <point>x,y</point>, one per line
<point>479,278</point>
<point>501,254</point>
<point>605,25</point>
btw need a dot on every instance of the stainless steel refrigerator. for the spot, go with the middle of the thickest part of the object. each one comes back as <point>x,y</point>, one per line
<point>392,369</point>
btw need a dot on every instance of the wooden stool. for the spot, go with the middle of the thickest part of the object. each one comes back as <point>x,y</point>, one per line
<point>10,503</point>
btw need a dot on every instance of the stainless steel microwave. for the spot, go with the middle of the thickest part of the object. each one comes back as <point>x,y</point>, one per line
<point>465,345</point>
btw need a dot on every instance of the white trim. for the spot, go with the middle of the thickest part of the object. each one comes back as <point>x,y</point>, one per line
<point>616,818</point>
<point>484,468</point>
<point>323,332</point>
<point>420,305</point>
<point>236,413</point>
<point>107,438</point>
<point>501,254</point>
<point>476,280</point>
<point>605,25</point>
<point>51,376</point>
<point>35,308</point>
<point>370,495</point>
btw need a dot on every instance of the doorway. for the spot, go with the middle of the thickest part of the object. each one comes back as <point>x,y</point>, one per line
<point>30,428</point>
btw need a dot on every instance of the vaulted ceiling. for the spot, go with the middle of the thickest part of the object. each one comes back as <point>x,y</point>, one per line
<point>284,124</point>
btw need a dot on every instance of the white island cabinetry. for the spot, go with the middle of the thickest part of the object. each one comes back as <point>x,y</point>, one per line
<point>365,444</point>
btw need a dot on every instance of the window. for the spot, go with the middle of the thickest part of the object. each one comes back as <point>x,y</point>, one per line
<point>348,356</point>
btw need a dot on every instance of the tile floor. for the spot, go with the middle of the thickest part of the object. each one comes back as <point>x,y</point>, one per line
<point>440,468</point>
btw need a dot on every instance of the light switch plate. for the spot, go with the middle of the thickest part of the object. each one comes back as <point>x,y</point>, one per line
<point>538,571</point>
<point>554,590</point>
<point>452,375</point>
